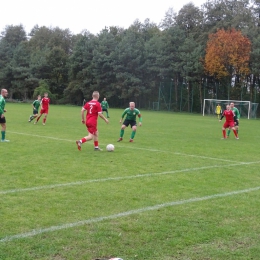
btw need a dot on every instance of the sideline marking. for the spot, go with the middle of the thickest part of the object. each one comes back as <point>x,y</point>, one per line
<point>122,178</point>
<point>35,232</point>
<point>130,147</point>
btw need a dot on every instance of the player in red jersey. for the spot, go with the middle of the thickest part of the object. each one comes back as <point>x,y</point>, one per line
<point>229,123</point>
<point>45,102</point>
<point>94,110</point>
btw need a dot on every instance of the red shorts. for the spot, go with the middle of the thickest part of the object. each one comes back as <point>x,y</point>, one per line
<point>92,128</point>
<point>229,124</point>
<point>44,111</point>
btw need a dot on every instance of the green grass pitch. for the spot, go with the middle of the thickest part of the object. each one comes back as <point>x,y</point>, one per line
<point>177,192</point>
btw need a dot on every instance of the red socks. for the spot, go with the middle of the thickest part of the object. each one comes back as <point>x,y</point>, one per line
<point>83,140</point>
<point>224,133</point>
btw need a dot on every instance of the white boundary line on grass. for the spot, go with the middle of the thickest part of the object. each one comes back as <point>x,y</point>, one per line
<point>177,153</point>
<point>35,232</point>
<point>123,178</point>
<point>48,137</point>
<point>204,157</point>
<point>130,147</point>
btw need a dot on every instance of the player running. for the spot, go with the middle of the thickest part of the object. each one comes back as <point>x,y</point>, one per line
<point>229,123</point>
<point>45,103</point>
<point>236,120</point>
<point>94,110</point>
<point>36,104</point>
<point>131,112</point>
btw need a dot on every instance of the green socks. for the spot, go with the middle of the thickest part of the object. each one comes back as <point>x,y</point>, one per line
<point>122,131</point>
<point>133,134</point>
<point>3,135</point>
<point>228,132</point>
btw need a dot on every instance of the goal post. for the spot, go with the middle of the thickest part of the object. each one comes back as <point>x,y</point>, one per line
<point>246,108</point>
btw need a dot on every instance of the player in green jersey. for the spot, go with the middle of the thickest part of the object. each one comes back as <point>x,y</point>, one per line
<point>3,95</point>
<point>237,117</point>
<point>36,104</point>
<point>131,112</point>
<point>105,106</point>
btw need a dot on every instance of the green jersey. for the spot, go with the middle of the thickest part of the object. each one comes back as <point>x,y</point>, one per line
<point>131,114</point>
<point>36,104</point>
<point>104,104</point>
<point>236,112</point>
<point>2,104</point>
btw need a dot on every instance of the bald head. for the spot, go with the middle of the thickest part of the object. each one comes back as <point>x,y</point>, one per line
<point>95,95</point>
<point>132,105</point>
<point>4,92</point>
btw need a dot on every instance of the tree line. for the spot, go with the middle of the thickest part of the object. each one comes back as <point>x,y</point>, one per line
<point>210,51</point>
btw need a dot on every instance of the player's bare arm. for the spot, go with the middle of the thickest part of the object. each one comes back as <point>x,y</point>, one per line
<point>83,115</point>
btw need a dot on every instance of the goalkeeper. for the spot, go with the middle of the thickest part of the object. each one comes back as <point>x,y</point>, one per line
<point>218,110</point>
<point>236,118</point>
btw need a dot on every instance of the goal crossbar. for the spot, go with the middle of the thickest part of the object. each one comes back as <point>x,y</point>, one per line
<point>246,108</point>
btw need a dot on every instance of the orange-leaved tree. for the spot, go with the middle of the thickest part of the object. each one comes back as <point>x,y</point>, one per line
<point>227,54</point>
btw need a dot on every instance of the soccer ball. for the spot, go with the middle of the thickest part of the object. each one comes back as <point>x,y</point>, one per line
<point>110,147</point>
<point>116,258</point>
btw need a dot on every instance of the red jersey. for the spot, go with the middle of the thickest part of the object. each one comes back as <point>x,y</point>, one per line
<point>45,103</point>
<point>229,114</point>
<point>93,107</point>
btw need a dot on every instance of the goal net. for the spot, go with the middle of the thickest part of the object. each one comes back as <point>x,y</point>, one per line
<point>247,109</point>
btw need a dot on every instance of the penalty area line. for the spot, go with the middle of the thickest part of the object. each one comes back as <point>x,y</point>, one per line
<point>40,231</point>
<point>70,184</point>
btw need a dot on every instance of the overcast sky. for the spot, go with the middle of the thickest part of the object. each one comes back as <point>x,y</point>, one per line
<point>93,15</point>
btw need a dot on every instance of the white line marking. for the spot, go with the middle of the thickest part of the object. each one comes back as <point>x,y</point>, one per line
<point>205,157</point>
<point>131,147</point>
<point>47,137</point>
<point>141,148</point>
<point>122,178</point>
<point>176,153</point>
<point>35,232</point>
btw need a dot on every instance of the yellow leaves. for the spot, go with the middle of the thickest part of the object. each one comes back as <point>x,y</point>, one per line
<point>227,53</point>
